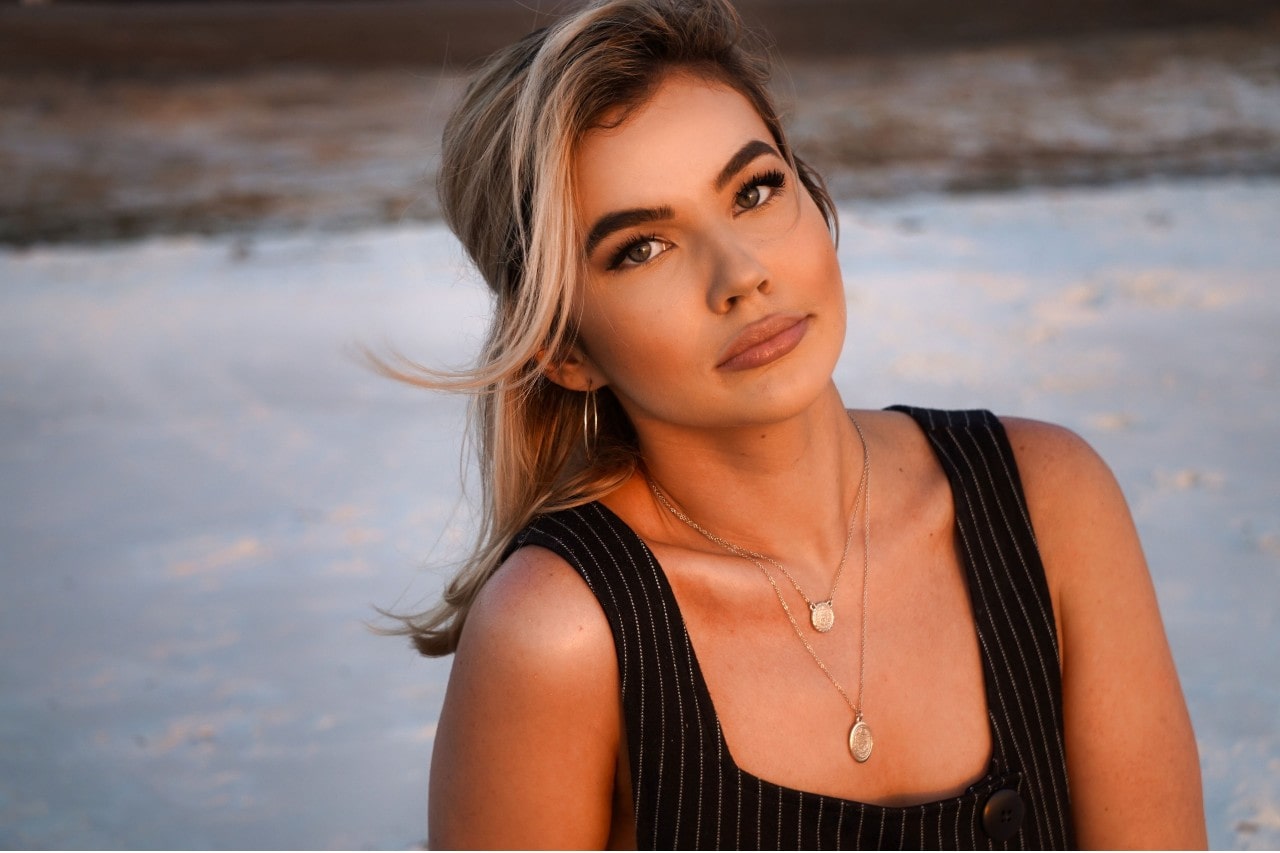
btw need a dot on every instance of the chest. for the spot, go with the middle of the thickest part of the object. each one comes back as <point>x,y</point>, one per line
<point>785,695</point>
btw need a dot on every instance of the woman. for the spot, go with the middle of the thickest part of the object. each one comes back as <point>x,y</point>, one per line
<point>710,607</point>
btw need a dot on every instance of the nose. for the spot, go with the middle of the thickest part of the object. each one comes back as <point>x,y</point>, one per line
<point>736,271</point>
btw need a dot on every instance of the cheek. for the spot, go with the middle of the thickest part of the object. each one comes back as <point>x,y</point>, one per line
<point>812,249</point>
<point>625,332</point>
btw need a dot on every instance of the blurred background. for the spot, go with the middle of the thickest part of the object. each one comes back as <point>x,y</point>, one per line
<point>1064,210</point>
<point>129,119</point>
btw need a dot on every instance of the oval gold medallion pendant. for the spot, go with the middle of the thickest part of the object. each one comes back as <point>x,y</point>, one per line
<point>822,615</point>
<point>861,742</point>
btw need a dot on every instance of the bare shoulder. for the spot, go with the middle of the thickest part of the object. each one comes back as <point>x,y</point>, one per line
<point>537,624</point>
<point>1085,533</point>
<point>538,602</point>
<point>1074,500</point>
<point>527,743</point>
<point>1052,455</point>
<point>1131,752</point>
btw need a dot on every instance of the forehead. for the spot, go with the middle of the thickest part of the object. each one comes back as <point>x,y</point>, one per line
<point>676,141</point>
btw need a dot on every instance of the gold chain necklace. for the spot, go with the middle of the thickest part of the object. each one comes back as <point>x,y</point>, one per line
<point>861,741</point>
<point>822,614</point>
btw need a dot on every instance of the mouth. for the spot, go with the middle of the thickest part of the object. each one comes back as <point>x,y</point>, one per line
<point>764,342</point>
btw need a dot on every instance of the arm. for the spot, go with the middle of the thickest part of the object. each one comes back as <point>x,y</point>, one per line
<point>1131,753</point>
<point>527,746</point>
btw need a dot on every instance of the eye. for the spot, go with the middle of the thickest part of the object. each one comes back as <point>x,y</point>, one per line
<point>759,190</point>
<point>638,252</point>
<point>750,197</point>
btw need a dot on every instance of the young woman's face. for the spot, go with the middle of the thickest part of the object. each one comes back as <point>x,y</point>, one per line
<point>713,296</point>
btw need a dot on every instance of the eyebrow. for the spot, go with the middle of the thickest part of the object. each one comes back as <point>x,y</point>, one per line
<point>753,149</point>
<point>621,219</point>
<point>618,220</point>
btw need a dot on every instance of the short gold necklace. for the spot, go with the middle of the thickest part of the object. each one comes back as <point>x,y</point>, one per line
<point>861,741</point>
<point>822,614</point>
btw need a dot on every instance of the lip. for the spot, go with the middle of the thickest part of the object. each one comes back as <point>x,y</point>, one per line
<point>764,342</point>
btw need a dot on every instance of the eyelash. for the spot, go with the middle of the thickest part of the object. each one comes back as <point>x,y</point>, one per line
<point>620,257</point>
<point>775,179</point>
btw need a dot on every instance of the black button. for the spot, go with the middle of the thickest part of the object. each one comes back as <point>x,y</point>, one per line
<point>1002,816</point>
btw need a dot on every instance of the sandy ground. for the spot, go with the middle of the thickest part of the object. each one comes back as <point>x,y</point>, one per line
<point>202,495</point>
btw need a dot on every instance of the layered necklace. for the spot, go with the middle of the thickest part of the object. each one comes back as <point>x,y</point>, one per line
<point>821,613</point>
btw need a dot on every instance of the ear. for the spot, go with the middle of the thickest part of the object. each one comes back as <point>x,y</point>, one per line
<point>575,370</point>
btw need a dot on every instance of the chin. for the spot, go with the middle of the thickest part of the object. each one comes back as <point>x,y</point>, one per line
<point>782,397</point>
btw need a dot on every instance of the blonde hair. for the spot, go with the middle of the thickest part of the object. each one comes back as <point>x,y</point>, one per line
<point>506,190</point>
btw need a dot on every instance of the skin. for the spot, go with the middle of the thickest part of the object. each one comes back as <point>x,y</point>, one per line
<point>530,750</point>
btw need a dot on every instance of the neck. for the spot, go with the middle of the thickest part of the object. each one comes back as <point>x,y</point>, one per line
<point>786,489</point>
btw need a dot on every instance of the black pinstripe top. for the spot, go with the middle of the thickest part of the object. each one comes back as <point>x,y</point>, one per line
<point>689,793</point>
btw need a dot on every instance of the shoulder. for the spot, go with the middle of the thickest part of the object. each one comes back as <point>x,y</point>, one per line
<point>541,596</point>
<point>540,610</point>
<point>1065,481</point>
<point>528,738</point>
<point>1081,520</point>
<point>1049,449</point>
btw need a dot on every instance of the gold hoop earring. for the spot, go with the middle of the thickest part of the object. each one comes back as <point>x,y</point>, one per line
<point>590,420</point>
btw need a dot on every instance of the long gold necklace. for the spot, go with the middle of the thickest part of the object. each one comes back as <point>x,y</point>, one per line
<point>861,741</point>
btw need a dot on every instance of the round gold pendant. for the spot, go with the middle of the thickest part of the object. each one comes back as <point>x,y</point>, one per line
<point>822,615</point>
<point>861,742</point>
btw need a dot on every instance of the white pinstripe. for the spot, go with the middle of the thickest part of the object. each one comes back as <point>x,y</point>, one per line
<point>759,809</point>
<point>959,811</point>
<point>697,712</point>
<point>778,834</point>
<point>973,830</point>
<point>818,824</point>
<point>799,817</point>
<point>670,658</point>
<point>737,844</point>
<point>719,782</point>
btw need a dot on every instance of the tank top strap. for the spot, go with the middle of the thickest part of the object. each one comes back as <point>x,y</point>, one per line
<point>673,736</point>
<point>1012,609</point>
